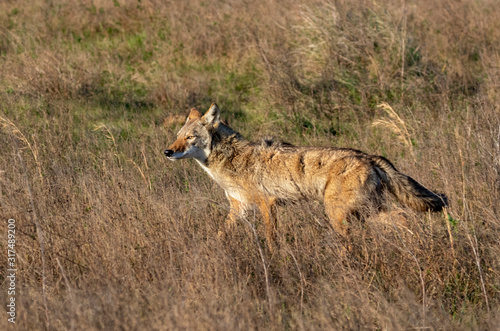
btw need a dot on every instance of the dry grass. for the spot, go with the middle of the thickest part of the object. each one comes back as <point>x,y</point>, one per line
<point>93,91</point>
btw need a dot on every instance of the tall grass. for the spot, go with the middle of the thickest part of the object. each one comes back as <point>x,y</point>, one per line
<point>113,236</point>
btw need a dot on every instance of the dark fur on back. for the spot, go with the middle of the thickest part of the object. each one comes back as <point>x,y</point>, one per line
<point>272,142</point>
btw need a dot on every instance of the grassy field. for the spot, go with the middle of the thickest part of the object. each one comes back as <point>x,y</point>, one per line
<point>111,235</point>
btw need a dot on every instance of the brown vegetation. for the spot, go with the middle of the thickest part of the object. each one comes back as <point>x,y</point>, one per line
<point>113,236</point>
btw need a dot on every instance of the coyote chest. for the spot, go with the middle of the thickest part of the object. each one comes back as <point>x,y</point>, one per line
<point>230,189</point>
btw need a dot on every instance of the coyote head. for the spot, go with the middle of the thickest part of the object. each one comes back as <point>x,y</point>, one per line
<point>194,139</point>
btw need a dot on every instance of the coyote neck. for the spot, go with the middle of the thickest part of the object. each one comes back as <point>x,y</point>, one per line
<point>226,149</point>
<point>230,156</point>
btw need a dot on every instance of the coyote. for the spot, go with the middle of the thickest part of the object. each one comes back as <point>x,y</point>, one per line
<point>266,173</point>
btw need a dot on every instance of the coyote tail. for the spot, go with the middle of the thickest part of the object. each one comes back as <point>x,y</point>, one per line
<point>409,191</point>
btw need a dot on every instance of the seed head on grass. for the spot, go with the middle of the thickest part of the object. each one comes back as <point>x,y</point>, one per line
<point>10,128</point>
<point>395,124</point>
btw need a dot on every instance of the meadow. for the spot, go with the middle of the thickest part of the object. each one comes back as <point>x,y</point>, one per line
<point>111,235</point>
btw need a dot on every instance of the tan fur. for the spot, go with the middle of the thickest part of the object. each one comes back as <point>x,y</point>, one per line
<point>261,174</point>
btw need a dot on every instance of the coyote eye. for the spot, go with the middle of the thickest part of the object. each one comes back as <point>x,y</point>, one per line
<point>190,137</point>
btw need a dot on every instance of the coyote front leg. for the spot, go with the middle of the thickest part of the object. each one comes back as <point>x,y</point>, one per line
<point>236,210</point>
<point>268,210</point>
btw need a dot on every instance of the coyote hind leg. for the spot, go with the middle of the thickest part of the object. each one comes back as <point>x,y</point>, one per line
<point>342,198</point>
<point>338,214</point>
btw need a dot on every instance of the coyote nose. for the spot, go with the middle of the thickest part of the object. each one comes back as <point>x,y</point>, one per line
<point>168,152</point>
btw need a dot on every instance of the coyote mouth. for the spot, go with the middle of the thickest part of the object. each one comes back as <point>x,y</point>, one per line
<point>170,154</point>
<point>174,156</point>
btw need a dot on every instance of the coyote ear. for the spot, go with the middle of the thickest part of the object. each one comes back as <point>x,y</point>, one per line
<point>212,116</point>
<point>194,114</point>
